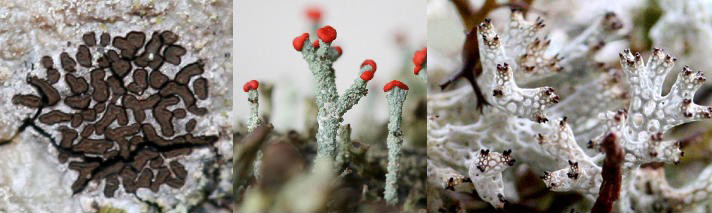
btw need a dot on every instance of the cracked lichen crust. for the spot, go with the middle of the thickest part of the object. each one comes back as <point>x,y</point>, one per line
<point>99,110</point>
<point>320,56</point>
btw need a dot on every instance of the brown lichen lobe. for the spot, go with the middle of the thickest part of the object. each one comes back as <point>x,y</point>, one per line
<point>31,101</point>
<point>99,138</point>
<point>89,39</point>
<point>68,64</point>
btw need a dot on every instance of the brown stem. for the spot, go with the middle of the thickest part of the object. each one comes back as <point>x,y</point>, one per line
<point>472,68</point>
<point>248,151</point>
<point>611,173</point>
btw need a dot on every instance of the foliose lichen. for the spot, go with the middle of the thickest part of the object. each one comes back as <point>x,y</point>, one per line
<point>604,138</point>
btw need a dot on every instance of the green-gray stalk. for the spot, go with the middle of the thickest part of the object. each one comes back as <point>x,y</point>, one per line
<point>395,98</point>
<point>254,120</point>
<point>423,74</point>
<point>331,107</point>
<point>344,140</point>
<point>252,123</point>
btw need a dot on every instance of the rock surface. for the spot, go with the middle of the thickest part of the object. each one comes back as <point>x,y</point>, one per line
<point>33,179</point>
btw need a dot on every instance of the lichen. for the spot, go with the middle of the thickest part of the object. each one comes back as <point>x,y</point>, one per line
<point>320,56</point>
<point>600,133</point>
<point>115,146</point>
<point>396,93</point>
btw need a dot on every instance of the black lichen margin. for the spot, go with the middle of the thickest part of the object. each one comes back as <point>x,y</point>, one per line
<point>110,147</point>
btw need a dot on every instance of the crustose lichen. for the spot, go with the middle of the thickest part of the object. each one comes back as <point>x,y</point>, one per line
<point>99,109</point>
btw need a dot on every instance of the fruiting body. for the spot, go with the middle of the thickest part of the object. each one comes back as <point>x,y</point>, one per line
<point>326,34</point>
<point>251,85</point>
<point>420,60</point>
<point>314,14</point>
<point>395,83</point>
<point>298,42</point>
<point>368,68</point>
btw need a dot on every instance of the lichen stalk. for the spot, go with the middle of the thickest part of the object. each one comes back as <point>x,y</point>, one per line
<point>254,120</point>
<point>320,56</point>
<point>344,140</point>
<point>326,97</point>
<point>395,98</point>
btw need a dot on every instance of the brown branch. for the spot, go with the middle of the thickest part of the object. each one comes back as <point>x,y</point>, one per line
<point>611,173</point>
<point>694,138</point>
<point>467,14</point>
<point>247,151</point>
<point>472,68</point>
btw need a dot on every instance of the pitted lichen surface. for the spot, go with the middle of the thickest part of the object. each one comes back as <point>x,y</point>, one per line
<point>124,119</point>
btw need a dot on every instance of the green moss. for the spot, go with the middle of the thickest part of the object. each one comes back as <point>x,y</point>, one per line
<point>645,20</point>
<point>110,209</point>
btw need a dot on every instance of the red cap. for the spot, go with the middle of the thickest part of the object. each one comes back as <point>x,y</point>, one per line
<point>251,85</point>
<point>298,42</point>
<point>338,49</point>
<point>326,34</point>
<point>394,83</point>
<point>420,56</point>
<point>419,59</point>
<point>368,75</point>
<point>315,44</point>
<point>416,69</point>
<point>314,13</point>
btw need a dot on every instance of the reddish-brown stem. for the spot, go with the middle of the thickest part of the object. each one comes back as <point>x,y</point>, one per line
<point>471,68</point>
<point>611,173</point>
